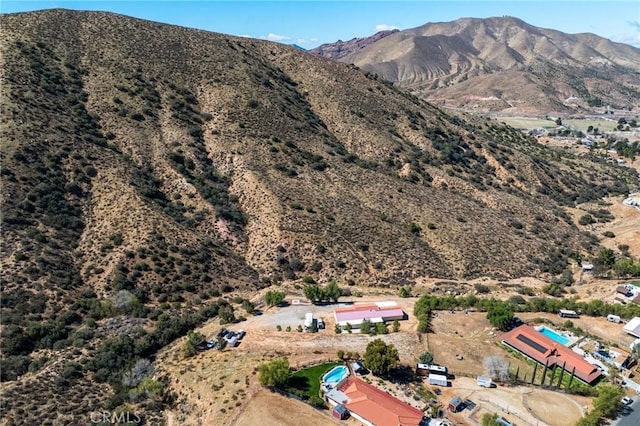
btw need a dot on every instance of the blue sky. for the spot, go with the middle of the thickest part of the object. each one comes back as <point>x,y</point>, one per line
<point>309,23</point>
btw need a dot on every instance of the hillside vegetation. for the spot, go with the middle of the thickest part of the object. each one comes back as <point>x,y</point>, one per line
<point>148,170</point>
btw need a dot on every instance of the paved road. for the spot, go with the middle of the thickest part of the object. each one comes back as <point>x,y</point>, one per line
<point>630,416</point>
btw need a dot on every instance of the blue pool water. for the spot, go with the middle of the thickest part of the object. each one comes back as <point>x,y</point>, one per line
<point>554,336</point>
<point>335,375</point>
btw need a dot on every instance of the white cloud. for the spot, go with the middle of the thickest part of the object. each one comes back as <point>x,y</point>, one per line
<point>276,37</point>
<point>385,27</point>
<point>632,38</point>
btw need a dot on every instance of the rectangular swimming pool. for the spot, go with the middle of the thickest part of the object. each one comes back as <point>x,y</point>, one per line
<point>553,335</point>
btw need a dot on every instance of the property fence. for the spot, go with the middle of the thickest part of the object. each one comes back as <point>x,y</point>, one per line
<point>316,361</point>
<point>491,406</point>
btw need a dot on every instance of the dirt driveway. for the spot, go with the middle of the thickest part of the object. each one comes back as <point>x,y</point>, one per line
<point>267,408</point>
<point>221,387</point>
<point>520,404</point>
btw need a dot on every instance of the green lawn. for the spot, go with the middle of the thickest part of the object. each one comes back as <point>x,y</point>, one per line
<point>306,382</point>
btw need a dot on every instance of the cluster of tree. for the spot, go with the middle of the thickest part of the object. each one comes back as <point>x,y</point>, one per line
<point>274,374</point>
<point>609,262</point>
<point>367,327</point>
<point>116,356</point>
<point>380,358</point>
<point>500,315</point>
<point>274,298</point>
<point>500,309</point>
<point>624,125</point>
<point>315,293</point>
<point>194,340</point>
<point>605,406</point>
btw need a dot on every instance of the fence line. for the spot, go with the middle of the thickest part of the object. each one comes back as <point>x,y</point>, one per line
<point>511,413</point>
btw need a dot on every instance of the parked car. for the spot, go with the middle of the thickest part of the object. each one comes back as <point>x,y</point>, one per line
<point>626,400</point>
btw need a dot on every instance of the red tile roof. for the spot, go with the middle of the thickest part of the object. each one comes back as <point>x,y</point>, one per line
<point>547,351</point>
<point>377,406</point>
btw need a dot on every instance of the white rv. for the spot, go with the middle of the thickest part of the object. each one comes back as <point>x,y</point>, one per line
<point>438,379</point>
<point>613,318</point>
<point>485,382</point>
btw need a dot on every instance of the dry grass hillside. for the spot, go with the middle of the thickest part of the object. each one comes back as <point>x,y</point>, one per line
<point>502,64</point>
<point>149,170</point>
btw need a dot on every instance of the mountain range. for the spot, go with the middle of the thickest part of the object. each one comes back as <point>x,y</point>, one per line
<point>149,169</point>
<point>501,64</point>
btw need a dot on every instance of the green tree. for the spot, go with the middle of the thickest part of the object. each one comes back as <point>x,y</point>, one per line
<point>226,314</point>
<point>380,358</point>
<point>624,267</point>
<point>490,419</point>
<point>190,346</point>
<point>338,329</point>
<point>425,358</point>
<point>404,292</point>
<point>381,328</point>
<point>274,373</point>
<point>348,327</point>
<point>608,401</point>
<point>396,326</point>
<point>274,298</point>
<point>365,327</point>
<point>607,258</point>
<point>332,291</point>
<point>248,306</point>
<point>500,315</point>
<point>317,402</point>
<point>313,293</point>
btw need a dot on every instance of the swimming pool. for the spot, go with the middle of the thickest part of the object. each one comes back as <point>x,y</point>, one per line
<point>553,335</point>
<point>335,375</point>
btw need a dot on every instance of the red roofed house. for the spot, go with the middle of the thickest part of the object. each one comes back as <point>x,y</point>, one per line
<point>373,406</point>
<point>546,351</point>
<point>373,312</point>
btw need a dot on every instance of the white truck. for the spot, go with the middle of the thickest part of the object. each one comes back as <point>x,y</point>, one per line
<point>485,382</point>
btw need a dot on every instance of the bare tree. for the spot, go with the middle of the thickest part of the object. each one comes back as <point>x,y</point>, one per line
<point>123,300</point>
<point>496,367</point>
<point>140,371</point>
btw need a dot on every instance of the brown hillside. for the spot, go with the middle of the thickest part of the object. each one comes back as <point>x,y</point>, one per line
<point>505,64</point>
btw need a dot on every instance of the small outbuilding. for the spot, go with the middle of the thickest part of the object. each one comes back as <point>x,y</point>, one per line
<point>455,405</point>
<point>340,412</point>
<point>623,290</point>
<point>356,366</point>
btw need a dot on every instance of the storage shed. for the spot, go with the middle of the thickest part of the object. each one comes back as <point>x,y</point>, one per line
<point>340,412</point>
<point>455,404</point>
